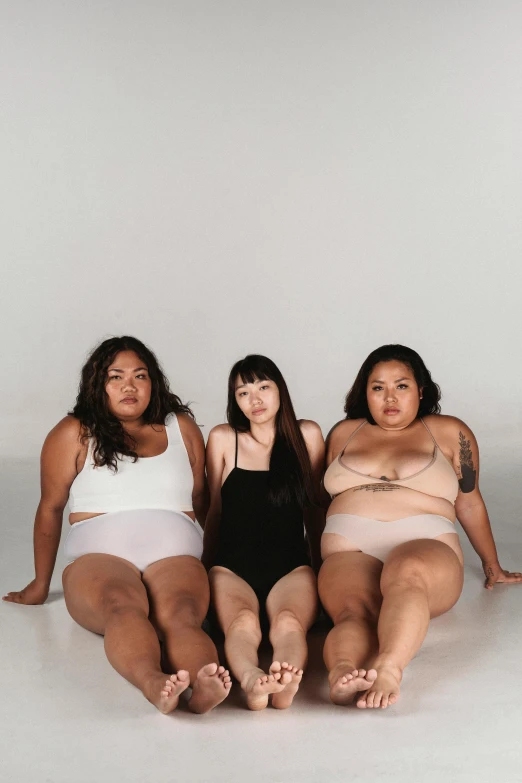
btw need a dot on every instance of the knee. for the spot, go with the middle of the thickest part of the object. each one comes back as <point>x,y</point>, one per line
<point>364,609</point>
<point>408,570</point>
<point>246,622</point>
<point>285,621</point>
<point>184,611</point>
<point>119,599</point>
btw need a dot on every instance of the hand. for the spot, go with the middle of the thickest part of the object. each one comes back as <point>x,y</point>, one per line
<point>495,573</point>
<point>31,595</point>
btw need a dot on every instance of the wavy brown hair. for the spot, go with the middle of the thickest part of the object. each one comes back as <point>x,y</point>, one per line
<point>111,442</point>
<point>290,469</point>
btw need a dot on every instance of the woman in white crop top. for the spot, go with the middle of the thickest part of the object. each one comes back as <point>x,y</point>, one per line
<point>130,460</point>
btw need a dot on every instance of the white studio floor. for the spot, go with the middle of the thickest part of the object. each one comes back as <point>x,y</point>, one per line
<point>67,716</point>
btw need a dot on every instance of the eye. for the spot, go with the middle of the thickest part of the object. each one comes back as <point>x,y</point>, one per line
<point>241,394</point>
<point>376,388</point>
<point>265,386</point>
<point>114,377</point>
<point>402,386</point>
<point>142,376</point>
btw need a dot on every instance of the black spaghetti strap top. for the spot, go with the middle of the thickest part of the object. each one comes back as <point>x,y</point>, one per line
<point>259,541</point>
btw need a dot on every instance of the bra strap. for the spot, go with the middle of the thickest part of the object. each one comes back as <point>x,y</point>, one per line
<point>354,433</point>
<point>235,461</point>
<point>431,434</point>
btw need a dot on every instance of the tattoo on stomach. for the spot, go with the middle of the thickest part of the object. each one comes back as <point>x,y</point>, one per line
<point>377,487</point>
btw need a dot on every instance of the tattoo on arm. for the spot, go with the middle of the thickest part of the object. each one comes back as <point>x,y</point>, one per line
<point>468,474</point>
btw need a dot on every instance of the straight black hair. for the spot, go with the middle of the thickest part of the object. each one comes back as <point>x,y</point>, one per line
<point>290,468</point>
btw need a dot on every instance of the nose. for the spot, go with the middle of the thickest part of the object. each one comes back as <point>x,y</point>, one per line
<point>129,385</point>
<point>391,396</point>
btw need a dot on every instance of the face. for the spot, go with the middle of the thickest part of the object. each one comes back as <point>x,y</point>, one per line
<point>393,395</point>
<point>128,386</point>
<point>259,401</point>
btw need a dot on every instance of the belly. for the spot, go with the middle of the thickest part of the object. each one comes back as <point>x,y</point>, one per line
<point>387,502</point>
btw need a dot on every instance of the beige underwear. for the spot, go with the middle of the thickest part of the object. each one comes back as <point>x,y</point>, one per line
<point>377,538</point>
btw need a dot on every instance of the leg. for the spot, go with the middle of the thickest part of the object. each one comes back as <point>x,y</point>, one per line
<point>237,609</point>
<point>292,608</point>
<point>179,597</point>
<point>420,579</point>
<point>350,593</point>
<point>105,594</point>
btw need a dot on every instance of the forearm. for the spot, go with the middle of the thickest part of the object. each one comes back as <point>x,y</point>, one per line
<point>475,521</point>
<point>200,506</point>
<point>46,539</point>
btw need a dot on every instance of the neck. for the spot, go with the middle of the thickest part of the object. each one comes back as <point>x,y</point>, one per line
<point>263,433</point>
<point>133,426</point>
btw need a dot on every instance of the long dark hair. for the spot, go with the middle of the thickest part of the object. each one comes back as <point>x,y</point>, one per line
<point>290,468</point>
<point>92,409</point>
<point>356,405</point>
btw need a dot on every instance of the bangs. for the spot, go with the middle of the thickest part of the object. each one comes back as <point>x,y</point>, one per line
<point>250,372</point>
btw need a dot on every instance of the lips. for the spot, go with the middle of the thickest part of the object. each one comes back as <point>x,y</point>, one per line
<point>258,411</point>
<point>391,411</point>
<point>129,400</point>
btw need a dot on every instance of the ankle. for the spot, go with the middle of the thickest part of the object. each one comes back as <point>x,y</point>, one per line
<point>388,662</point>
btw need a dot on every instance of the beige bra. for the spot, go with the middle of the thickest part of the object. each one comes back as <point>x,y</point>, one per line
<point>438,478</point>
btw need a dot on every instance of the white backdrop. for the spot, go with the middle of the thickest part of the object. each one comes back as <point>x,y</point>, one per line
<point>306,180</point>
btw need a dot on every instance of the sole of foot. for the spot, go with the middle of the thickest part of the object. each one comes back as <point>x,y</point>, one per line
<point>211,687</point>
<point>384,691</point>
<point>258,686</point>
<point>170,691</point>
<point>291,677</point>
<point>345,688</point>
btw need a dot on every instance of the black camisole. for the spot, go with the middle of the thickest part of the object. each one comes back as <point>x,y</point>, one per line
<point>258,541</point>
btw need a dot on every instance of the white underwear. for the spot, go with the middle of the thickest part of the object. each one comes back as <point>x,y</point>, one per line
<point>141,536</point>
<point>377,538</point>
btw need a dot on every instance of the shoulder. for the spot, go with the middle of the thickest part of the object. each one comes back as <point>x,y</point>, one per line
<point>311,430</point>
<point>67,433</point>
<point>220,436</point>
<point>446,426</point>
<point>189,428</point>
<point>339,434</point>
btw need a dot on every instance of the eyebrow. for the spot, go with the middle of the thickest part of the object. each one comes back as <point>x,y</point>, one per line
<point>397,381</point>
<point>115,369</point>
<point>242,385</point>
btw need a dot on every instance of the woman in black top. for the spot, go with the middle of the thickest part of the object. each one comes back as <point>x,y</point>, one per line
<point>264,469</point>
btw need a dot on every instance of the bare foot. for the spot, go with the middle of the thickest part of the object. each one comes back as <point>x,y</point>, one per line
<point>384,691</point>
<point>164,694</point>
<point>258,686</point>
<point>212,685</point>
<point>345,687</point>
<point>291,678</point>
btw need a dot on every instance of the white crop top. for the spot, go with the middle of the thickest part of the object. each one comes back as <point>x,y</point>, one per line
<point>164,481</point>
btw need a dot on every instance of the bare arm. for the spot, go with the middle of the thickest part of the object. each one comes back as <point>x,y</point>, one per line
<point>195,445</point>
<point>314,516</point>
<point>58,470</point>
<point>216,446</point>
<point>470,508</point>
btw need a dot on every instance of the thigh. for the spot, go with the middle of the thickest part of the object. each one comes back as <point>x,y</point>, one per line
<point>176,584</point>
<point>296,592</point>
<point>430,563</point>
<point>350,581</point>
<point>95,584</point>
<point>231,595</point>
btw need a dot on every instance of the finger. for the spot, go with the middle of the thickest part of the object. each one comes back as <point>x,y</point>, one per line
<point>490,582</point>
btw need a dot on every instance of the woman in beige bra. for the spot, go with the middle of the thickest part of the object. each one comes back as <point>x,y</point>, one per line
<point>399,475</point>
